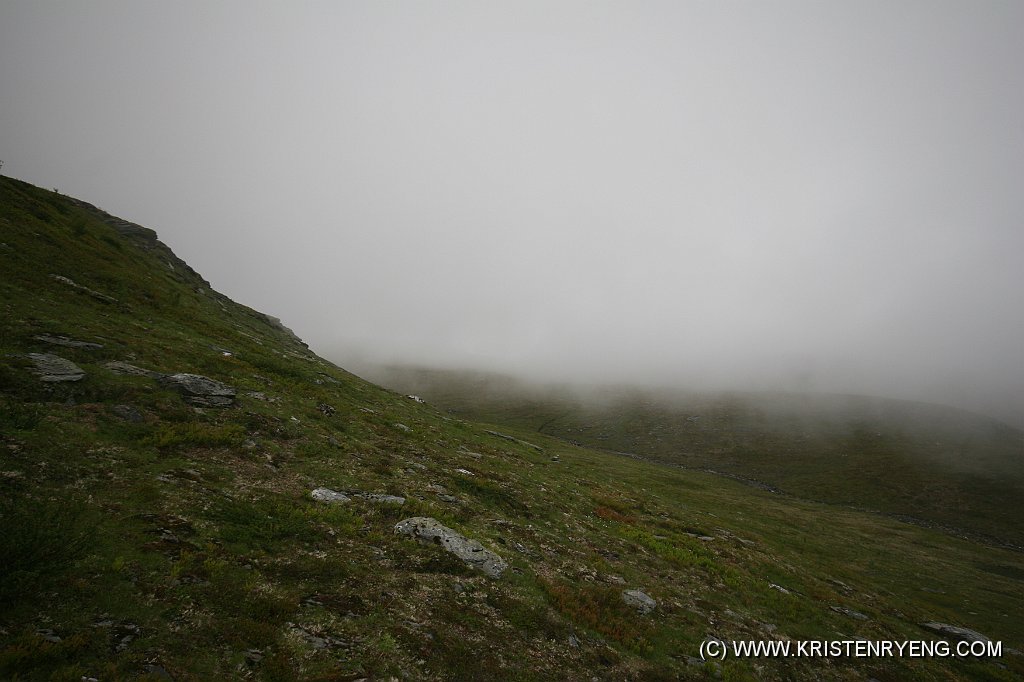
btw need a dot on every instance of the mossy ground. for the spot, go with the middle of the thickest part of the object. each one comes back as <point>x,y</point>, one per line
<point>189,541</point>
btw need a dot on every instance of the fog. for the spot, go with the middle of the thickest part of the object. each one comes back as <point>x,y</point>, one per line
<point>741,195</point>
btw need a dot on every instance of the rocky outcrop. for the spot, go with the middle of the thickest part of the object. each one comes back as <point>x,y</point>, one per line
<point>431,531</point>
<point>53,368</point>
<point>199,390</point>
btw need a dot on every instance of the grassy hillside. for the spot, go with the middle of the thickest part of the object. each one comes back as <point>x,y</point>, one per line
<point>933,464</point>
<point>147,538</point>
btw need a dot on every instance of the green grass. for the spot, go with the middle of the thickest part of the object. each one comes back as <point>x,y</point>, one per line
<point>936,464</point>
<point>195,529</point>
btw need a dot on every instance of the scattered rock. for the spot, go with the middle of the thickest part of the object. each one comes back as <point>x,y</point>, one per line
<point>416,398</point>
<point>328,495</point>
<point>53,368</point>
<point>325,409</point>
<point>127,413</point>
<point>431,531</point>
<point>199,390</point>
<point>451,499</point>
<point>959,633</point>
<point>68,343</point>
<point>780,588</point>
<point>253,656</point>
<point>403,427</point>
<point>118,367</point>
<point>849,612</point>
<point>615,579</point>
<point>639,601</point>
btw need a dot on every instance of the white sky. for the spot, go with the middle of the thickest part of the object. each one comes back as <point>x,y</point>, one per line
<point>822,195</point>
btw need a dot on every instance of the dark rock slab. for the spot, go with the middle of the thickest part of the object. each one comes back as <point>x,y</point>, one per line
<point>955,632</point>
<point>66,342</point>
<point>199,390</point>
<point>118,367</point>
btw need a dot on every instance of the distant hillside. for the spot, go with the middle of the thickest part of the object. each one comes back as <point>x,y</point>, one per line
<point>933,463</point>
<point>188,493</point>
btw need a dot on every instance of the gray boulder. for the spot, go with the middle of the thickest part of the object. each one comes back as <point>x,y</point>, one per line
<point>955,632</point>
<point>200,390</point>
<point>431,531</point>
<point>639,601</point>
<point>53,368</point>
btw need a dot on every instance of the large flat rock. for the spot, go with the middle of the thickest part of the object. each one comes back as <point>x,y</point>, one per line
<point>431,531</point>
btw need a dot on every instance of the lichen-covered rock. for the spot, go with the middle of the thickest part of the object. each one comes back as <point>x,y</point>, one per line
<point>431,531</point>
<point>639,601</point>
<point>53,368</point>
<point>200,390</point>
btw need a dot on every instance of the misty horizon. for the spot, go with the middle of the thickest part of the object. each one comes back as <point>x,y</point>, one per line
<point>795,197</point>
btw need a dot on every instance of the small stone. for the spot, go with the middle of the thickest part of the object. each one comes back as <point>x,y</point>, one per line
<point>403,427</point>
<point>640,601</point>
<point>48,635</point>
<point>158,672</point>
<point>380,499</point>
<point>849,612</point>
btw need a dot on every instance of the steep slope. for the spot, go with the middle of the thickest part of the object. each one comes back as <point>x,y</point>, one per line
<point>927,463</point>
<point>162,526</point>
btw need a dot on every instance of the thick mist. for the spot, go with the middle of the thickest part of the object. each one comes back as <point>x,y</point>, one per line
<point>793,196</point>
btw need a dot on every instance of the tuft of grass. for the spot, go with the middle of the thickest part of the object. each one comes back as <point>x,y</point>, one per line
<point>39,541</point>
